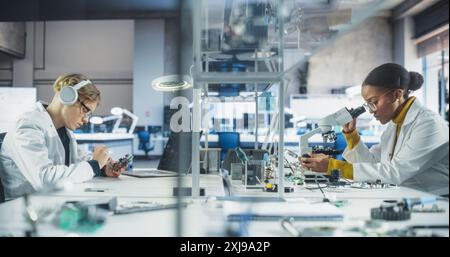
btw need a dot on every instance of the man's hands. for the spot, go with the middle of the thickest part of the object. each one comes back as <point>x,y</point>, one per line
<point>106,163</point>
<point>110,172</point>
<point>317,162</point>
<point>101,155</point>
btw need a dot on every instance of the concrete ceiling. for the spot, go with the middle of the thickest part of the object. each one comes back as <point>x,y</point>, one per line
<point>317,20</point>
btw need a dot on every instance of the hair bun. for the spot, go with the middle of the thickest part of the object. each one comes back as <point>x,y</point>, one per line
<point>415,81</point>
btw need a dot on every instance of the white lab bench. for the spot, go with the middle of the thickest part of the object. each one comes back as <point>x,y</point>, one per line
<point>119,144</point>
<point>154,223</point>
<point>201,218</point>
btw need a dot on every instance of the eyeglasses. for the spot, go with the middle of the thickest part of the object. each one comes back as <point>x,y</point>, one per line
<point>86,110</point>
<point>372,106</point>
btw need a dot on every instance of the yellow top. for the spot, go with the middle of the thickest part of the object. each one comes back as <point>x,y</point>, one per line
<point>353,139</point>
<point>345,168</point>
<point>400,118</point>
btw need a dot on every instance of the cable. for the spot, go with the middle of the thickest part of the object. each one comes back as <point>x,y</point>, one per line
<point>325,199</point>
<point>288,225</point>
<point>314,188</point>
<point>290,166</point>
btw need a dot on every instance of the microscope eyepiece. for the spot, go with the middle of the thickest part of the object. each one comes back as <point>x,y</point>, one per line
<point>358,111</point>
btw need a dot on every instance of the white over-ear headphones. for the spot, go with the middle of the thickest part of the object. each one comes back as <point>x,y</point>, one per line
<point>69,94</point>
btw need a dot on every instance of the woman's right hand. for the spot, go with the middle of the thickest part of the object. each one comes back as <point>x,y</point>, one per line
<point>101,155</point>
<point>349,127</point>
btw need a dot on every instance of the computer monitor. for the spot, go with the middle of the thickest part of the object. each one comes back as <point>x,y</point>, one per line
<point>176,158</point>
<point>138,129</point>
<point>154,129</point>
<point>177,155</point>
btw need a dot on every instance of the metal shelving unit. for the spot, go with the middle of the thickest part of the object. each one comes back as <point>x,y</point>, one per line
<point>254,35</point>
<point>235,15</point>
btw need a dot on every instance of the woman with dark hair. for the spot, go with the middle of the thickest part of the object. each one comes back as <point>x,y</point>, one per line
<point>413,150</point>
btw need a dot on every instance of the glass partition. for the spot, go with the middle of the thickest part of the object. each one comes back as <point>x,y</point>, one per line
<point>240,50</point>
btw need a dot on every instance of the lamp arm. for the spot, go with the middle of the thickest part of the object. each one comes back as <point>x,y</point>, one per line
<point>111,117</point>
<point>134,122</point>
<point>117,124</point>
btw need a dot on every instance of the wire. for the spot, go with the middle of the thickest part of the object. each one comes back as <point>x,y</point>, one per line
<point>292,153</point>
<point>325,199</point>
<point>314,188</point>
<point>288,225</point>
<point>290,166</point>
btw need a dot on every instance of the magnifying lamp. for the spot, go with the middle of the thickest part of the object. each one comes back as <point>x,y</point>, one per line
<point>97,120</point>
<point>117,111</point>
<point>172,83</point>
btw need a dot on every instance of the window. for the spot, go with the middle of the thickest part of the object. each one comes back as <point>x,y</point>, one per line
<point>436,85</point>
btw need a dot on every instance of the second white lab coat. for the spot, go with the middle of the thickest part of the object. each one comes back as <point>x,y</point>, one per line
<point>420,159</point>
<point>32,156</point>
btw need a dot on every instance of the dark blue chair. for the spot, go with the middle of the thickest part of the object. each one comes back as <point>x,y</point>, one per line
<point>144,142</point>
<point>228,140</point>
<point>340,144</point>
<point>231,89</point>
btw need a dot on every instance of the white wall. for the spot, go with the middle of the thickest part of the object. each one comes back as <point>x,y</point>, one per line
<point>100,49</point>
<point>148,64</point>
<point>13,103</point>
<point>405,51</point>
<point>347,61</point>
<point>121,60</point>
<point>96,47</point>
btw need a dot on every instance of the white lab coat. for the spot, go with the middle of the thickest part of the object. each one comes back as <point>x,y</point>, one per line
<point>420,159</point>
<point>32,156</point>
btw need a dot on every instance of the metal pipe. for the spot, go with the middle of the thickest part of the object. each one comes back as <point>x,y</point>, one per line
<point>196,118</point>
<point>281,106</point>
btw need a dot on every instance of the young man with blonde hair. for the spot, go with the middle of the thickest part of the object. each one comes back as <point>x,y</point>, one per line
<point>42,151</point>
